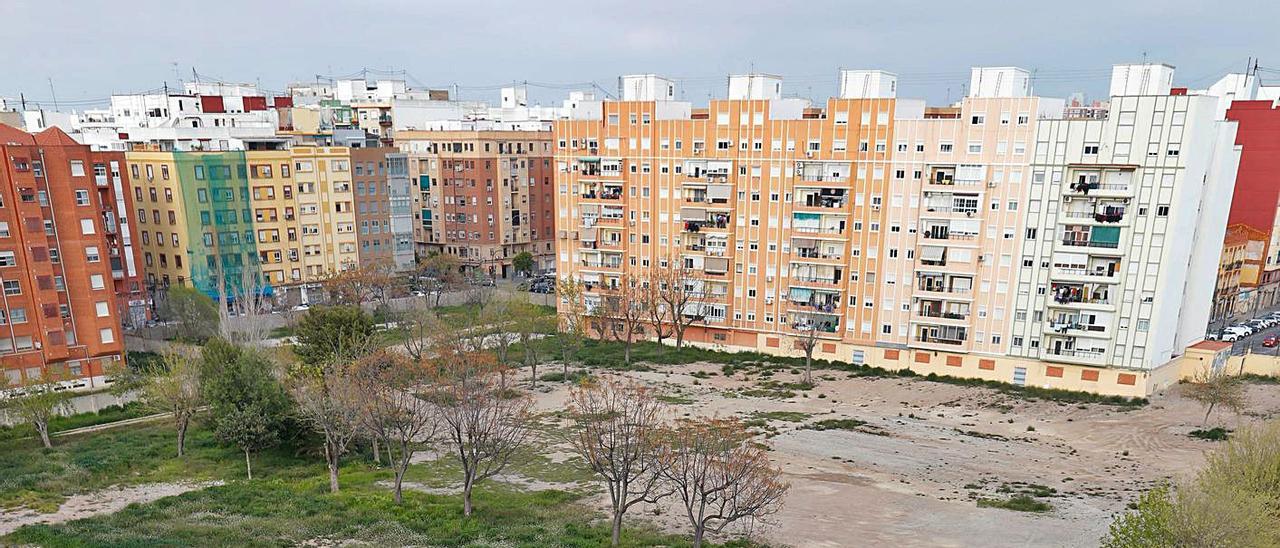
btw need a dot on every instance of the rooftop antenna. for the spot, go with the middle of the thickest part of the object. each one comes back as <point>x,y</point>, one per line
<point>55,95</point>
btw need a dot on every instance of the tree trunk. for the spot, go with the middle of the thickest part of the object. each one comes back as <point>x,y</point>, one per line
<point>466,498</point>
<point>1202,423</point>
<point>566,370</point>
<point>182,437</point>
<point>626,353</point>
<point>331,459</point>
<point>679,338</point>
<point>698,531</point>
<point>808,367</point>
<point>43,428</point>
<point>248,465</point>
<point>399,482</point>
<point>377,453</point>
<point>617,528</point>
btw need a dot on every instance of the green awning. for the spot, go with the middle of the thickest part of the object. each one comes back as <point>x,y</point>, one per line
<point>806,216</point>
<point>1105,234</point>
<point>589,159</point>
<point>801,294</point>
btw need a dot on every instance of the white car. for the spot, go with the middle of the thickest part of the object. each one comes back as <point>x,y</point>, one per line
<point>302,308</point>
<point>1230,337</point>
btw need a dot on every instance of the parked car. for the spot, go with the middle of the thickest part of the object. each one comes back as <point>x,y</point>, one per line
<point>302,308</point>
<point>1241,330</point>
<point>1230,336</point>
<point>1270,342</point>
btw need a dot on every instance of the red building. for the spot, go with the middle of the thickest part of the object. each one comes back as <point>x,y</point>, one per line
<point>1256,201</point>
<point>70,274</point>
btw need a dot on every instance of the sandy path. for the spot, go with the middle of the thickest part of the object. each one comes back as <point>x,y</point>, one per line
<point>107,501</point>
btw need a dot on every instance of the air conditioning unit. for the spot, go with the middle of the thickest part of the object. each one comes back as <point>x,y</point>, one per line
<point>991,184</point>
<point>808,154</point>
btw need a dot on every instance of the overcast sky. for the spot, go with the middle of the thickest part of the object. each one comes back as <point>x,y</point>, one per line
<point>92,48</point>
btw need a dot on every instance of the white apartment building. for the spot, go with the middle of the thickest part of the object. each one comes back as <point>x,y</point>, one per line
<point>1125,218</point>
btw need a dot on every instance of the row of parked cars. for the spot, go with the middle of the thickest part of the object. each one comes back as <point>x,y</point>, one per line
<point>1244,329</point>
<point>545,283</point>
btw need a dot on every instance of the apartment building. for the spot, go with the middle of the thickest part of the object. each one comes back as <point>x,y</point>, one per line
<point>1240,243</point>
<point>383,206</point>
<point>482,195</point>
<point>985,238</point>
<point>1256,202</point>
<point>281,216</point>
<point>67,262</point>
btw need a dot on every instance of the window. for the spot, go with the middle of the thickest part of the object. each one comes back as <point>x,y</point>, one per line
<point>91,254</point>
<point>12,287</point>
<point>77,168</point>
<point>1162,211</point>
<point>978,119</point>
<point>82,197</point>
<point>95,282</point>
<point>102,309</point>
<point>945,147</point>
<point>1091,150</point>
<point>107,335</point>
<point>8,258</point>
<point>86,226</point>
<point>17,315</point>
<point>4,229</point>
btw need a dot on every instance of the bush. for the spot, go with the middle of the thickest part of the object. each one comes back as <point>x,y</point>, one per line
<point>1019,503</point>
<point>1213,434</point>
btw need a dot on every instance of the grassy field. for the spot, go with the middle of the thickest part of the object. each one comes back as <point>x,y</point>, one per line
<point>288,501</point>
<point>111,413</point>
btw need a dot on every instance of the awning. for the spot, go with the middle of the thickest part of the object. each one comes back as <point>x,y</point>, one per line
<point>693,214</point>
<point>719,192</point>
<point>806,216</point>
<point>716,264</point>
<point>966,226</point>
<point>801,294</point>
<point>591,278</point>
<point>1105,234</point>
<point>589,159</point>
<point>932,253</point>
<point>589,234</point>
<point>1070,258</point>
<point>804,242</point>
<point>590,209</point>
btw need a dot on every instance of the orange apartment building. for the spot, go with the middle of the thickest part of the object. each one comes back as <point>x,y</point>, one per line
<point>69,270</point>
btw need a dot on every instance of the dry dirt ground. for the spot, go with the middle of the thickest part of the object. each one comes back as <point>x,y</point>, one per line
<point>911,475</point>
<point>106,501</point>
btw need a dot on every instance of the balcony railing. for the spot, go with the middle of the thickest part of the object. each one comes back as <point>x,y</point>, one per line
<point>1073,242</point>
<point>598,195</point>
<point>1075,353</point>
<point>818,229</point>
<point>829,280</point>
<point>966,210</point>
<point>820,306</point>
<point>1085,272</point>
<point>813,253</point>
<point>941,314</point>
<point>939,340</point>
<point>1085,188</point>
<point>941,289</point>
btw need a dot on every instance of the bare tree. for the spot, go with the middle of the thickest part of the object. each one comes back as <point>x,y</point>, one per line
<point>328,402</point>
<point>680,288</point>
<point>484,424</point>
<point>719,476</point>
<point>1213,388</point>
<point>573,319</point>
<point>529,323</point>
<point>661,318</point>
<point>496,317</point>
<point>36,402</point>
<point>177,391</point>
<point>244,313</point>
<point>444,274</point>
<point>418,326</point>
<point>807,341</point>
<point>392,407</point>
<point>616,431</point>
<point>360,285</point>
<point>623,313</point>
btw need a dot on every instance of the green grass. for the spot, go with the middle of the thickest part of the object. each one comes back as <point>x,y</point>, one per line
<point>674,400</point>
<point>784,416</point>
<point>42,478</point>
<point>1019,503</point>
<point>111,413</point>
<point>288,503</point>
<point>576,376</point>
<point>837,424</point>
<point>1216,433</point>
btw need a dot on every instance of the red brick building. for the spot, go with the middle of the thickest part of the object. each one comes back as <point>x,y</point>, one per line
<point>1256,201</point>
<point>68,268</point>
<point>373,206</point>
<point>484,196</point>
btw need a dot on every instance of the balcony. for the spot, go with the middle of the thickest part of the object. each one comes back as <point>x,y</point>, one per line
<point>822,323</point>
<point>949,211</point>
<point>1073,355</point>
<point>816,281</point>
<point>1096,274</point>
<point>942,233</point>
<point>1099,244</point>
<point>933,314</point>
<point>1076,329</point>
<point>948,342</point>
<point>601,265</point>
<point>717,223</point>
<point>1095,188</point>
<point>813,254</point>
<point>1080,294</point>
<point>100,180</point>
<point>614,195</point>
<point>943,291</point>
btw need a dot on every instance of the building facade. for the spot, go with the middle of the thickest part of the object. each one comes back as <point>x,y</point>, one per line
<point>280,219</point>
<point>994,238</point>
<point>67,263</point>
<point>482,196</point>
<point>1256,202</point>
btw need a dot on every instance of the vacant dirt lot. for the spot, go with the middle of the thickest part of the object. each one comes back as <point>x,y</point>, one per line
<point>911,475</point>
